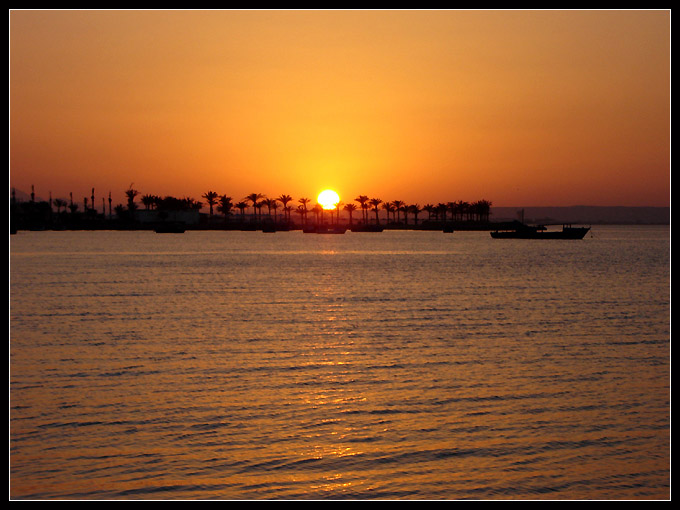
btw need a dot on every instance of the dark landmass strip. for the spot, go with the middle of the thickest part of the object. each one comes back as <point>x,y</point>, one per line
<point>585,214</point>
<point>172,214</point>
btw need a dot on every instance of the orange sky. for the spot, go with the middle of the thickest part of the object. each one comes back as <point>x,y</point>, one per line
<point>522,108</point>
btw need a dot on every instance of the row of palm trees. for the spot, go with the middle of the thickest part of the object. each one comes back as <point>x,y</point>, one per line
<point>395,210</point>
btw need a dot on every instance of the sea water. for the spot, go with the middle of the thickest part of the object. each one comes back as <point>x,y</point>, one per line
<point>394,365</point>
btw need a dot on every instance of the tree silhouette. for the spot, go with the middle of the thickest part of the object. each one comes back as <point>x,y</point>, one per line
<point>275,206</point>
<point>482,209</point>
<point>149,201</point>
<point>269,202</point>
<point>318,211</point>
<point>304,201</point>
<point>464,209</point>
<point>388,207</point>
<point>350,208</point>
<point>415,210</point>
<point>211,198</point>
<point>254,197</point>
<point>398,206</point>
<point>363,203</point>
<point>225,206</point>
<point>258,207</point>
<point>441,211</point>
<point>59,202</point>
<point>302,211</point>
<point>286,212</point>
<point>375,202</point>
<point>131,194</point>
<point>242,206</point>
<point>284,199</point>
<point>337,212</point>
<point>453,208</point>
<point>430,210</point>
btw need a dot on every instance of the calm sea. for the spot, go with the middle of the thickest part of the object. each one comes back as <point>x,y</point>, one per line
<point>400,365</point>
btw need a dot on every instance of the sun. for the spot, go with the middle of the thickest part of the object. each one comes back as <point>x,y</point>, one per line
<point>328,199</point>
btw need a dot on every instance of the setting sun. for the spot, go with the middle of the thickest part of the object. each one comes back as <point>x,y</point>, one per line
<point>328,199</point>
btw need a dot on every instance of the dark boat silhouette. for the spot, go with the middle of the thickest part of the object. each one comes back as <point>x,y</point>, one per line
<point>540,232</point>
<point>330,230</point>
<point>322,229</point>
<point>366,228</point>
<point>169,228</point>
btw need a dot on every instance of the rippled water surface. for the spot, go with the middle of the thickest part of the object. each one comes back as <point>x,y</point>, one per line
<point>401,365</point>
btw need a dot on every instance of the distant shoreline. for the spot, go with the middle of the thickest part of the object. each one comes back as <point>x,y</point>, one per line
<point>591,214</point>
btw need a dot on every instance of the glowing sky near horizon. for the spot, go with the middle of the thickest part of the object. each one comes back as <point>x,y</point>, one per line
<point>522,108</point>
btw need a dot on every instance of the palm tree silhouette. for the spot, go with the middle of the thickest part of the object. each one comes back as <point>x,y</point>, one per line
<point>375,202</point>
<point>269,203</point>
<point>259,207</point>
<point>441,210</point>
<point>211,198</point>
<point>337,212</point>
<point>225,206</point>
<point>464,209</point>
<point>148,201</point>
<point>254,197</point>
<point>318,211</point>
<point>275,206</point>
<point>304,202</point>
<point>430,209</point>
<point>242,206</point>
<point>482,209</point>
<point>284,199</point>
<point>453,208</point>
<point>363,201</point>
<point>286,212</point>
<point>59,202</point>
<point>131,194</point>
<point>415,210</point>
<point>350,208</point>
<point>398,206</point>
<point>388,208</point>
<point>302,212</point>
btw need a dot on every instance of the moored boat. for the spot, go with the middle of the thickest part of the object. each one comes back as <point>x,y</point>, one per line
<point>169,228</point>
<point>527,232</point>
<point>323,229</point>
<point>366,228</point>
<point>332,230</point>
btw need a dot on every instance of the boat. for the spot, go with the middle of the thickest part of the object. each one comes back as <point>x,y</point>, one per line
<point>169,228</point>
<point>366,228</point>
<point>540,232</point>
<point>270,226</point>
<point>332,230</point>
<point>322,229</point>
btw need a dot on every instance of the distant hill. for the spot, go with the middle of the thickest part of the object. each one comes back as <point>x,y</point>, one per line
<point>23,196</point>
<point>587,214</point>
